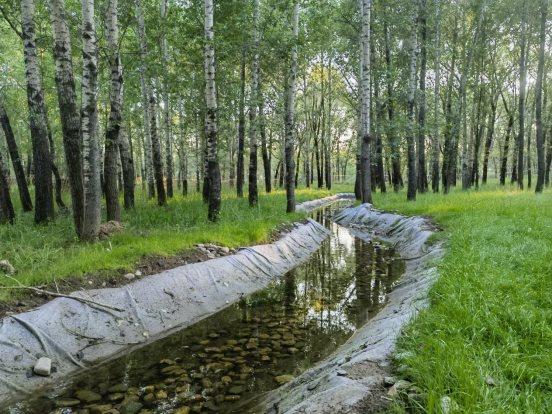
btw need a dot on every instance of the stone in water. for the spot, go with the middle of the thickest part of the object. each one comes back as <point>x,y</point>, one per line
<point>43,367</point>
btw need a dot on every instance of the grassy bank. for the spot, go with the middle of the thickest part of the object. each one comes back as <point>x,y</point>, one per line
<point>42,253</point>
<point>490,320</point>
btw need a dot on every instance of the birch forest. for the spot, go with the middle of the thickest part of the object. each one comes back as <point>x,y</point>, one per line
<point>275,206</point>
<point>104,99</point>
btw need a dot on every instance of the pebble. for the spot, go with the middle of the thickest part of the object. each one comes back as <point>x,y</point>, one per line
<point>88,396</point>
<point>132,407</point>
<point>129,276</point>
<point>161,395</point>
<point>490,381</point>
<point>100,408</point>
<point>400,385</point>
<point>118,388</point>
<point>149,398</point>
<point>118,396</point>
<point>448,405</point>
<point>149,389</point>
<point>43,367</point>
<point>6,267</point>
<point>67,402</point>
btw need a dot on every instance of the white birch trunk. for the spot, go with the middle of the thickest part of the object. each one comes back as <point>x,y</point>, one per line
<point>145,87</point>
<point>89,117</point>
<point>213,171</point>
<point>289,144</point>
<point>366,179</point>
<point>113,131</point>
<point>166,102</point>
<point>253,107</point>
<point>44,200</point>
<point>70,117</point>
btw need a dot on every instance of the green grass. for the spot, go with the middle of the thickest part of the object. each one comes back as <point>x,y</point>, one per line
<point>42,253</point>
<point>491,309</point>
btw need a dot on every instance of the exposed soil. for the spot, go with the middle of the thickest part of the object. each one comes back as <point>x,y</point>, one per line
<point>149,265</point>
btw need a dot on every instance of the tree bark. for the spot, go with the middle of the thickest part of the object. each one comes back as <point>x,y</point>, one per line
<point>213,171</point>
<point>152,111</point>
<point>289,143</point>
<point>113,132</point>
<point>449,129</point>
<point>70,119</point>
<point>379,174</point>
<point>183,150</point>
<point>42,160</point>
<point>365,167</point>
<point>394,142</point>
<point>127,164</point>
<point>489,138</point>
<point>7,214</point>
<point>538,96</point>
<point>264,146</point>
<point>145,83</point>
<point>521,102</point>
<point>166,102</point>
<point>253,106</point>
<point>421,170</point>
<point>241,128</point>
<point>411,97</point>
<point>89,120</point>
<point>436,126</point>
<point>24,194</point>
<point>328,141</point>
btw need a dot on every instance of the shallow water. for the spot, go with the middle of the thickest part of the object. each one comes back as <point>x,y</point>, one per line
<point>248,348</point>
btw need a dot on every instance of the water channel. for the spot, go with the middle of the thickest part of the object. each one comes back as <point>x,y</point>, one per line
<point>251,347</point>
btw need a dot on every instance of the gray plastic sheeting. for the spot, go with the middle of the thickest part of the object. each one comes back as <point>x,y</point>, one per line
<point>76,335</point>
<point>351,380</point>
<point>321,202</point>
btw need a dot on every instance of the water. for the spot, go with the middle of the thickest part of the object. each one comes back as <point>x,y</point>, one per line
<point>247,349</point>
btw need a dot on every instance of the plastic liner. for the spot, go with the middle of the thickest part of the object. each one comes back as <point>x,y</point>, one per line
<point>352,379</point>
<point>77,334</point>
<point>320,202</point>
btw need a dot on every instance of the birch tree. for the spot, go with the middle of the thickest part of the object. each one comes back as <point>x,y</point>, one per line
<point>421,168</point>
<point>166,108</point>
<point>70,119</point>
<point>7,214</point>
<point>146,92</point>
<point>44,200</point>
<point>241,127</point>
<point>213,170</point>
<point>539,92</point>
<point>289,120</point>
<point>112,134</point>
<point>410,102</point>
<point>391,136</point>
<point>253,107</point>
<point>24,195</point>
<point>365,167</point>
<point>152,110</point>
<point>89,117</point>
<point>521,99</point>
<point>436,104</point>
